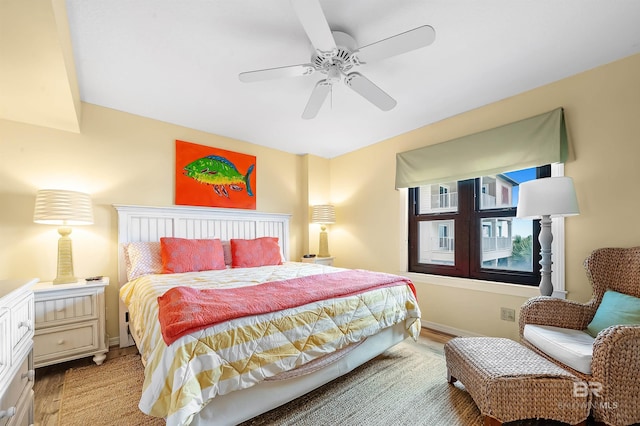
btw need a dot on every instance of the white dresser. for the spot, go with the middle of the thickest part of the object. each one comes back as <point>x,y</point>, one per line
<point>16,356</point>
<point>69,322</point>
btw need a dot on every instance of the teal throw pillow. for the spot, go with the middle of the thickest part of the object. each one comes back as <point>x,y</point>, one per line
<point>615,308</point>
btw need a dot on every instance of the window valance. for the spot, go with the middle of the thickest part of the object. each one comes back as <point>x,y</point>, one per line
<point>526,143</point>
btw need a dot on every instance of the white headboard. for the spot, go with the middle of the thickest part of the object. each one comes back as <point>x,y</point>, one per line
<point>143,223</point>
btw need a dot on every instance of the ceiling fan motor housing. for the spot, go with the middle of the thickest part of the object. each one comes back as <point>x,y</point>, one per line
<point>342,58</point>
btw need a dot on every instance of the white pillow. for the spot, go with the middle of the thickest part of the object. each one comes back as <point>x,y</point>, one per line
<point>142,258</point>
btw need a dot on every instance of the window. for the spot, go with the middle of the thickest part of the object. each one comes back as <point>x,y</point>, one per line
<point>444,196</point>
<point>469,229</point>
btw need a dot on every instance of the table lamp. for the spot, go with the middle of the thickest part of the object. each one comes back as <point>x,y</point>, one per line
<point>63,208</point>
<point>323,214</point>
<point>543,199</point>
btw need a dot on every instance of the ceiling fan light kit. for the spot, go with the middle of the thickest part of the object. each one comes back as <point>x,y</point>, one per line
<point>336,54</point>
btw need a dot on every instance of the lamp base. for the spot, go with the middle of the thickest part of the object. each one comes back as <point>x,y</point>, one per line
<point>65,258</point>
<point>545,238</point>
<point>65,279</point>
<point>324,244</point>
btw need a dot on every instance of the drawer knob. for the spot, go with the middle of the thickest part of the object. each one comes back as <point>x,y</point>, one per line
<point>29,375</point>
<point>8,413</point>
<point>25,324</point>
<point>61,342</point>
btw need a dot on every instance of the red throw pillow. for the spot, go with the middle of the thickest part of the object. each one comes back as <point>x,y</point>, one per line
<point>187,255</point>
<point>258,252</point>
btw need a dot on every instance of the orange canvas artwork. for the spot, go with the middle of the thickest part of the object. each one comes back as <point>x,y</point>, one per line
<point>213,177</point>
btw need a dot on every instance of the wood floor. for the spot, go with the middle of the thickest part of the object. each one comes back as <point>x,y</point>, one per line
<point>47,387</point>
<point>49,380</point>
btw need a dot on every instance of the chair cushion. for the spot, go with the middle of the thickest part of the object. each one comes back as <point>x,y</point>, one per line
<point>615,308</point>
<point>571,347</point>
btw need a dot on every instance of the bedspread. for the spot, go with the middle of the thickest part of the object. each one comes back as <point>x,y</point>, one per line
<point>182,377</point>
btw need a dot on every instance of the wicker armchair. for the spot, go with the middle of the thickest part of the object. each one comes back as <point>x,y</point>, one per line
<point>616,351</point>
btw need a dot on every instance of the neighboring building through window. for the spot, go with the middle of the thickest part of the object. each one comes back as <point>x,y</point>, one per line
<point>469,229</point>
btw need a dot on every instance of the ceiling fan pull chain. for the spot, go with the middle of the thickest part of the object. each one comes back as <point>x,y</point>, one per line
<point>331,98</point>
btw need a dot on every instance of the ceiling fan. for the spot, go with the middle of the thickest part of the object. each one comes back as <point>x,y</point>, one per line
<point>336,55</point>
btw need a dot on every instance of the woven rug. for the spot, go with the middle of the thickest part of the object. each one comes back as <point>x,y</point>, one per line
<point>104,395</point>
<point>405,385</point>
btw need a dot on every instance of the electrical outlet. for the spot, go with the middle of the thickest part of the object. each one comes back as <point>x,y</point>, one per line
<point>507,314</point>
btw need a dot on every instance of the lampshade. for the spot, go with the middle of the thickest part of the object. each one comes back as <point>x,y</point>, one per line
<point>323,213</point>
<point>60,207</point>
<point>553,196</point>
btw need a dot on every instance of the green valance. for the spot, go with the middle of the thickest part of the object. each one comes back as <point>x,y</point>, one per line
<point>526,143</point>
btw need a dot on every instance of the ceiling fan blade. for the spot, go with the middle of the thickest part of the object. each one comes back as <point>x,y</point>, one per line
<point>273,73</point>
<point>315,24</point>
<point>319,94</point>
<point>397,44</point>
<point>363,86</point>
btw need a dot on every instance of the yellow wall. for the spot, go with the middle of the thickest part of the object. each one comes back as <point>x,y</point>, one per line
<point>117,158</point>
<point>602,110</point>
<point>38,82</point>
<point>125,159</point>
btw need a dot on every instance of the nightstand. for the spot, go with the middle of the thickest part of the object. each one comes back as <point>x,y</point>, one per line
<point>328,261</point>
<point>69,322</point>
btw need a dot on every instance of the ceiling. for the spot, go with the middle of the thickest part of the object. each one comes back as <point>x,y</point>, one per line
<point>178,61</point>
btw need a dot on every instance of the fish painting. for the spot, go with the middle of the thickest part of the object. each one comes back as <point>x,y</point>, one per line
<point>213,177</point>
<point>220,173</point>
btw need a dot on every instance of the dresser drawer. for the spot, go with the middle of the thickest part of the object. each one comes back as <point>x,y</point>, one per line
<point>5,347</point>
<point>58,309</point>
<point>58,342</point>
<point>19,387</point>
<point>22,323</point>
<point>16,332</point>
<point>23,410</point>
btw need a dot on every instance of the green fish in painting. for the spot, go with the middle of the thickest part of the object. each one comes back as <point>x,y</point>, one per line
<point>220,173</point>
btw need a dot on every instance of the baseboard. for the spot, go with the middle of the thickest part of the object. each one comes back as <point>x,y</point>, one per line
<point>114,341</point>
<point>449,330</point>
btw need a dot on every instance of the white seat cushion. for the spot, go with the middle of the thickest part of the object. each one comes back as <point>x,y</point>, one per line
<point>571,347</point>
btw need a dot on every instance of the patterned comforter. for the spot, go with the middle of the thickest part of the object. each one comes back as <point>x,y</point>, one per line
<point>182,377</point>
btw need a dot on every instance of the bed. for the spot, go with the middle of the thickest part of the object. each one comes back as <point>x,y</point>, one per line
<point>246,364</point>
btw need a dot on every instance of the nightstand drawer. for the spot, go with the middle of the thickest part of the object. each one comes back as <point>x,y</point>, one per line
<point>58,309</point>
<point>20,384</point>
<point>58,342</point>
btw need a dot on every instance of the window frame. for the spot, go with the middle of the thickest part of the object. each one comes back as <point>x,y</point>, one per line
<point>468,236</point>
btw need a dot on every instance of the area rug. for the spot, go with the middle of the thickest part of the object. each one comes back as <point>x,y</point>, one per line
<point>405,385</point>
<point>104,395</point>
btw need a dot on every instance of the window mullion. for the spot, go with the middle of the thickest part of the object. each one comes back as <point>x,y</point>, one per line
<point>463,225</point>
